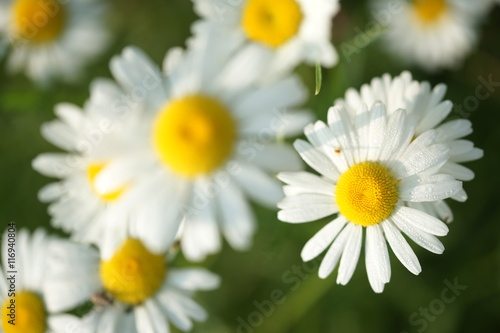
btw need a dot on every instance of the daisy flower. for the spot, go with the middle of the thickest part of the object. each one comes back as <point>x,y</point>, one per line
<point>201,146</point>
<point>429,110</point>
<point>371,165</point>
<point>52,39</point>
<point>280,34</point>
<point>434,34</point>
<point>134,291</point>
<point>91,138</point>
<point>22,281</point>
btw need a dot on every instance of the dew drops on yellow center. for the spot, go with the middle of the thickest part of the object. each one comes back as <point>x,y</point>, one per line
<point>367,193</point>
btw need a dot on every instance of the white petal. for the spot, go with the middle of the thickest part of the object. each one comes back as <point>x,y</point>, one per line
<point>72,275</point>
<point>275,158</point>
<point>200,236</point>
<point>144,322</point>
<point>316,159</point>
<point>245,67</point>
<point>381,254</point>
<point>191,308</point>
<point>282,94</point>
<point>162,224</point>
<point>322,137</point>
<point>438,114</point>
<point>38,254</point>
<point>431,191</point>
<point>64,323</point>
<point>60,135</point>
<point>54,164</point>
<point>443,211</point>
<point>51,192</point>
<point>108,322</point>
<point>238,222</point>
<point>398,136</point>
<point>460,195</point>
<point>425,240</point>
<point>431,158</point>
<point>377,130</point>
<point>307,182</point>
<point>362,125</point>
<point>258,185</point>
<point>168,301</point>
<point>340,125</point>
<point>322,239</point>
<point>377,262</point>
<point>350,255</point>
<point>334,252</point>
<point>156,317</point>
<point>193,279</point>
<point>71,114</point>
<point>306,207</point>
<point>400,247</point>
<point>419,220</point>
<point>471,155</point>
<point>455,129</point>
<point>458,171</point>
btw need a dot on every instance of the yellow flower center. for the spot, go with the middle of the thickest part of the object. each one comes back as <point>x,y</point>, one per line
<point>367,193</point>
<point>429,11</point>
<point>93,170</point>
<point>24,313</point>
<point>133,274</point>
<point>194,135</point>
<point>271,22</point>
<point>39,21</point>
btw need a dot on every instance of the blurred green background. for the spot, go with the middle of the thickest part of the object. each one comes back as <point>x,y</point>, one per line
<point>272,271</point>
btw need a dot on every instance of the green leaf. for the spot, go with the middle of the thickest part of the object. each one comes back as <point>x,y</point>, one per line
<point>319,79</point>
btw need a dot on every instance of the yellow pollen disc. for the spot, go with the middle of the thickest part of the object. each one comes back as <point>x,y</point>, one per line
<point>367,193</point>
<point>29,314</point>
<point>38,21</point>
<point>92,172</point>
<point>133,274</point>
<point>429,11</point>
<point>194,135</point>
<point>271,22</point>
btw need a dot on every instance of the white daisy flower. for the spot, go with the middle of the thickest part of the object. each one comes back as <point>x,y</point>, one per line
<point>279,34</point>
<point>429,110</point>
<point>434,34</point>
<point>91,137</point>
<point>371,165</point>
<point>134,291</point>
<point>52,39</point>
<point>22,280</point>
<point>203,144</point>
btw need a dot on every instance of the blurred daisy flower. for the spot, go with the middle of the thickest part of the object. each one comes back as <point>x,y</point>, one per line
<point>434,34</point>
<point>202,144</point>
<point>52,39</point>
<point>428,109</point>
<point>281,33</point>
<point>22,286</point>
<point>134,291</point>
<point>371,164</point>
<point>91,137</point>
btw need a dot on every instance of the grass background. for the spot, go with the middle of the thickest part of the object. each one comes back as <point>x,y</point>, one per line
<point>273,267</point>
